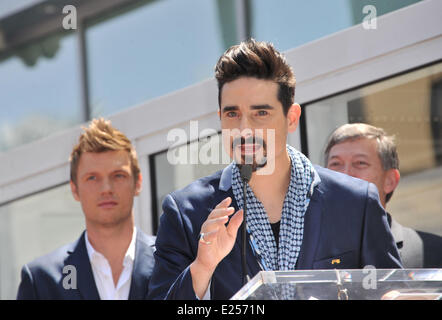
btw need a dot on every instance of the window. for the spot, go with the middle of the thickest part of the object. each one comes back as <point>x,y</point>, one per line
<point>40,91</point>
<point>408,106</point>
<point>34,226</point>
<point>179,166</point>
<point>291,23</point>
<point>160,47</point>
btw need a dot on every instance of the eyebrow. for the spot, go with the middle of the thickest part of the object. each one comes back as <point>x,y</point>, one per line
<point>230,108</point>
<point>97,173</point>
<point>356,155</point>
<point>253,107</point>
<point>262,107</point>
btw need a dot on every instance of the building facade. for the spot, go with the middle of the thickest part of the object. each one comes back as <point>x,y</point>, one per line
<point>148,66</point>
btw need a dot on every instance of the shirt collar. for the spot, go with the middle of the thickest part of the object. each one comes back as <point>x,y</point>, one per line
<point>130,253</point>
<point>316,181</point>
<point>225,182</point>
<point>129,257</point>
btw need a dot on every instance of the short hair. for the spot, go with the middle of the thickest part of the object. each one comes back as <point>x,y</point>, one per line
<point>101,136</point>
<point>386,145</point>
<point>258,60</point>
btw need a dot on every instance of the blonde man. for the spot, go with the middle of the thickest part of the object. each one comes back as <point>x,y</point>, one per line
<point>111,260</point>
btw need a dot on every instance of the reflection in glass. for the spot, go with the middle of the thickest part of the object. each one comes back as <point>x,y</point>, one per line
<point>367,284</point>
<point>160,47</point>
<point>409,107</point>
<point>177,167</point>
<point>34,226</point>
<point>40,91</point>
<point>291,23</point>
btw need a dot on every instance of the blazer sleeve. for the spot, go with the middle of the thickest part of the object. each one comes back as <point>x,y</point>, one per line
<point>378,246</point>
<point>26,289</point>
<point>171,278</point>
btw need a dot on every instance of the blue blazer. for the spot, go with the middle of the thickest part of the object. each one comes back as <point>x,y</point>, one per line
<point>43,277</point>
<point>344,220</point>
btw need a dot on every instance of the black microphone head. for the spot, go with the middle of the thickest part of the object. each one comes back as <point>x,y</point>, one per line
<point>246,172</point>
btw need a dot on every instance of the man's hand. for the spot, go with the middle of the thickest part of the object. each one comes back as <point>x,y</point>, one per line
<point>219,240</point>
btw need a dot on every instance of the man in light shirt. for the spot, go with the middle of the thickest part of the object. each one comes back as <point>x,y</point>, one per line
<point>111,260</point>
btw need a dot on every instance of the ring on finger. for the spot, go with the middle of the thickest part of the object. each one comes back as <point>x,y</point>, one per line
<point>202,239</point>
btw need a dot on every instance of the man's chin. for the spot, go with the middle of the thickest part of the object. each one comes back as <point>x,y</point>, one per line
<point>255,166</point>
<point>110,220</point>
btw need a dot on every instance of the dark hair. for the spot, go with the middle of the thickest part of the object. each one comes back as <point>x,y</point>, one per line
<point>258,60</point>
<point>386,145</point>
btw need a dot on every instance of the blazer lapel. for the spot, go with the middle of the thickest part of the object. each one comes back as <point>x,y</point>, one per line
<point>85,278</point>
<point>312,230</point>
<point>142,269</point>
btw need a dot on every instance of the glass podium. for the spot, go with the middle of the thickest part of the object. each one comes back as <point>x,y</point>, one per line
<point>355,284</point>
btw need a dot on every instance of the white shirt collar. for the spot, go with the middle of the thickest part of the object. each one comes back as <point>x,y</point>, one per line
<point>316,181</point>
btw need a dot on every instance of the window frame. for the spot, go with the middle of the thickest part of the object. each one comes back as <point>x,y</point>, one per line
<point>347,59</point>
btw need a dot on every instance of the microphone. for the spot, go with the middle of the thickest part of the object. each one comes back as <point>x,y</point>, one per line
<point>245,173</point>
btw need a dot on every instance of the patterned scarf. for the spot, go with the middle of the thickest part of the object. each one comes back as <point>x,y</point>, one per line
<point>295,205</point>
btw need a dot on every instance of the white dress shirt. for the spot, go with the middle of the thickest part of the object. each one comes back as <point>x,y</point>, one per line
<point>103,272</point>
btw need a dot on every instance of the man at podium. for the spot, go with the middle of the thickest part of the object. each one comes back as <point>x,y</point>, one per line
<point>299,216</point>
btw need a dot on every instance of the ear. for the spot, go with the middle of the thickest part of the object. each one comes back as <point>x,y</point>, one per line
<point>391,180</point>
<point>293,116</point>
<point>138,184</point>
<point>74,190</point>
<point>219,112</point>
